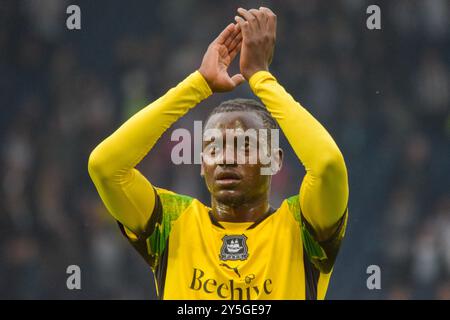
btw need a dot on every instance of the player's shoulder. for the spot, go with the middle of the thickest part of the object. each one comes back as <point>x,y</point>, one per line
<point>176,203</point>
<point>292,205</point>
<point>288,212</point>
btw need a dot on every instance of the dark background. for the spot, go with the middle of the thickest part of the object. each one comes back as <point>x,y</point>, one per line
<point>383,95</point>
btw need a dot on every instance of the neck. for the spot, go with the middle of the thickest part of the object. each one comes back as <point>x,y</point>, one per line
<point>247,212</point>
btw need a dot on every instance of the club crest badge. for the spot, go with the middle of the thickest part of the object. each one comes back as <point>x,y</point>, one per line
<point>234,248</point>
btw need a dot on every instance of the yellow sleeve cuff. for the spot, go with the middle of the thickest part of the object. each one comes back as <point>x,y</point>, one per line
<point>259,76</point>
<point>199,82</point>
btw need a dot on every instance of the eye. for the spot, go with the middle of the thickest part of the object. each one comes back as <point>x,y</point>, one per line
<point>243,146</point>
<point>246,145</point>
<point>211,149</point>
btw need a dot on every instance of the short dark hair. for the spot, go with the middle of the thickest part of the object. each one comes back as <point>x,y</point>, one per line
<point>248,105</point>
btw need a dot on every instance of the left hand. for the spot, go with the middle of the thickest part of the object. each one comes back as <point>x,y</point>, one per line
<point>218,58</point>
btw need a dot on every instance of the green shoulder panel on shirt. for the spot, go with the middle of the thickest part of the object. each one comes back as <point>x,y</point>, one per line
<point>313,249</point>
<point>294,206</point>
<point>173,205</point>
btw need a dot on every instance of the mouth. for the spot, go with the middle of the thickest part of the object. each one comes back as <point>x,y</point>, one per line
<point>227,179</point>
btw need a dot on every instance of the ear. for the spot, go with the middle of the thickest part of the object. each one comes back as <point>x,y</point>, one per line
<point>278,158</point>
<point>202,168</point>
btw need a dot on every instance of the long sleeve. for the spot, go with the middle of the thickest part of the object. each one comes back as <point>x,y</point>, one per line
<point>324,191</point>
<point>126,193</point>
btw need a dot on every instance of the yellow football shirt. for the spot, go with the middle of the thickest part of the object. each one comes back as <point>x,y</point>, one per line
<point>195,257</point>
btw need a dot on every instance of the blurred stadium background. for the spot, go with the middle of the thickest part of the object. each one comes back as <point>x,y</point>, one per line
<point>383,95</point>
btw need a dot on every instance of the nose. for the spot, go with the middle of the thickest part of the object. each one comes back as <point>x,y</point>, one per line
<point>229,155</point>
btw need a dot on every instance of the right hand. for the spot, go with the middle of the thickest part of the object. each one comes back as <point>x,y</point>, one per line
<point>259,33</point>
<point>218,57</point>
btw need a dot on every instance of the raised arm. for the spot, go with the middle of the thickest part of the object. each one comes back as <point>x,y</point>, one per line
<point>126,193</point>
<point>324,190</point>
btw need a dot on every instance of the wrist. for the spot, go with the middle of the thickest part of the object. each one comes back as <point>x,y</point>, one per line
<point>204,76</point>
<point>257,78</point>
<point>252,71</point>
<point>202,84</point>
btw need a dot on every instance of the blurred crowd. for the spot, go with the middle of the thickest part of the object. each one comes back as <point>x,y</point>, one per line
<point>382,94</point>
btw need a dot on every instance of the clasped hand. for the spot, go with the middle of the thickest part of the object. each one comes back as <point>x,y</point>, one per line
<point>253,35</point>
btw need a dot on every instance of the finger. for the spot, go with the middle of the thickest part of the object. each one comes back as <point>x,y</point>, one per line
<point>235,51</point>
<point>236,33</point>
<point>260,16</point>
<point>235,42</point>
<point>271,18</point>
<point>243,25</point>
<point>264,17</point>
<point>225,34</point>
<point>237,79</point>
<point>250,18</point>
<point>267,10</point>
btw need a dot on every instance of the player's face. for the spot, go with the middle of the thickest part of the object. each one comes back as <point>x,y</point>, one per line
<point>229,180</point>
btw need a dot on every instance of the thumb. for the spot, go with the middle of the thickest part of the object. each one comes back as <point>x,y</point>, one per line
<point>237,79</point>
